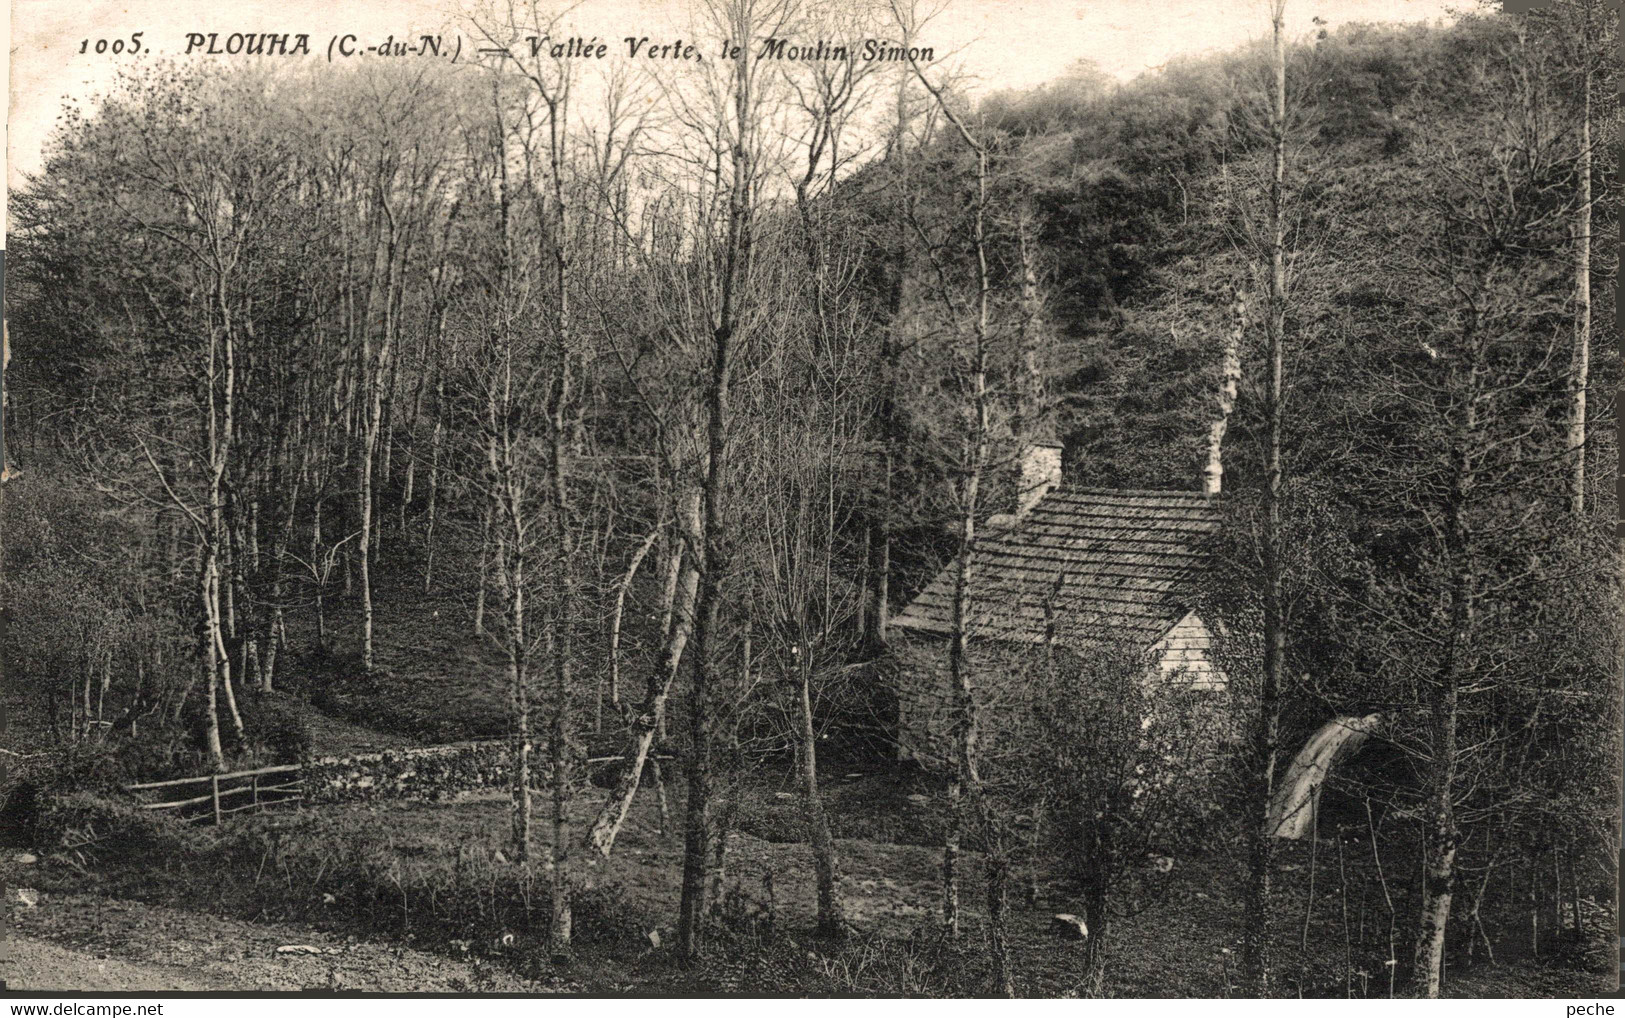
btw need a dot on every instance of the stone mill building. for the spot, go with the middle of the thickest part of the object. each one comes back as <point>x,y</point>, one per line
<point>1072,568</point>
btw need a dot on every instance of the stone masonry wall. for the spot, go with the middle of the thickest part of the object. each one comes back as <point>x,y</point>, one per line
<point>428,773</point>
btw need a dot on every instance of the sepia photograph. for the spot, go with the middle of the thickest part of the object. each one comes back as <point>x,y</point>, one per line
<point>812,498</point>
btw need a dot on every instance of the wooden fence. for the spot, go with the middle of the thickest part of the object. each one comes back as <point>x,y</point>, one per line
<point>222,794</point>
<point>280,784</point>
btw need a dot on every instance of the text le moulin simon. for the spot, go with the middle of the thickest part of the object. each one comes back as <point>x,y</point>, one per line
<point>293,44</point>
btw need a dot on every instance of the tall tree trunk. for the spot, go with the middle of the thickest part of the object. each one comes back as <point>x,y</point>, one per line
<point>245,634</point>
<point>998,907</point>
<point>221,433</point>
<point>279,548</point>
<point>826,860</point>
<point>950,857</point>
<point>1440,835</point>
<point>1266,735</point>
<point>379,378</point>
<point>1580,368</point>
<point>254,535</point>
<point>268,665</point>
<point>434,482</point>
<point>512,570</point>
<point>964,706</point>
<point>211,658</point>
<point>321,577</point>
<point>430,341</point>
<point>893,342</point>
<point>1439,842</point>
<point>222,659</point>
<point>713,563</point>
<point>485,564</point>
<point>971,468</point>
<point>707,631</point>
<point>386,445</point>
<point>563,637</point>
<point>1099,920</point>
<point>176,565</point>
<point>364,550</point>
<point>645,722</point>
<point>561,734</point>
<point>615,624</point>
<point>228,573</point>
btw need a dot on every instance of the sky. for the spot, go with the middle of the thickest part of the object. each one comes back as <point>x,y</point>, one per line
<point>1000,43</point>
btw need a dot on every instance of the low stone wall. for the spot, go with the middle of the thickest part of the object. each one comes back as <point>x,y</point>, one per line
<point>429,773</point>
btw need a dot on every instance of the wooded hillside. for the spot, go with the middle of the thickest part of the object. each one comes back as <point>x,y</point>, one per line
<point>611,411</point>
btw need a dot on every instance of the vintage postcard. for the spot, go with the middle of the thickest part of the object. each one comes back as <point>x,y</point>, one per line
<point>932,498</point>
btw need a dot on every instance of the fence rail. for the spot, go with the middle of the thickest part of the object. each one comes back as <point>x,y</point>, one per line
<point>278,769</point>
<point>260,795</point>
<point>287,791</point>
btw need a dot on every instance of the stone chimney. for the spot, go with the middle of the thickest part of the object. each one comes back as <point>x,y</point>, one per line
<point>1040,474</point>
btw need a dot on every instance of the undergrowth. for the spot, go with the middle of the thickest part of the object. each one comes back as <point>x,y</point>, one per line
<point>441,878</point>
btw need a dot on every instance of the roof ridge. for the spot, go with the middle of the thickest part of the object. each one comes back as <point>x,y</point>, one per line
<point>1083,489</point>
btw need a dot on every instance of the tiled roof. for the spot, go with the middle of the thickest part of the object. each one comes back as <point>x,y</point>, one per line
<point>1093,560</point>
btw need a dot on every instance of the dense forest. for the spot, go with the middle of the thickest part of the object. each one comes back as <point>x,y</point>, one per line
<point>616,414</point>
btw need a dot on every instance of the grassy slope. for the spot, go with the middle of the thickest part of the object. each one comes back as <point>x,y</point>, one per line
<point>341,869</point>
<point>78,942</point>
<point>433,680</point>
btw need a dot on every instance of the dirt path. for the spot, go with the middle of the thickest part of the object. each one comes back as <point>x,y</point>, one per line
<point>37,965</point>
<point>84,942</point>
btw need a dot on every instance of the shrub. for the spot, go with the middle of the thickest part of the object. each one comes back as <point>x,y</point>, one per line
<point>159,748</point>
<point>603,915</point>
<point>780,964</point>
<point>91,823</point>
<point>777,820</point>
<point>19,818</point>
<point>275,728</point>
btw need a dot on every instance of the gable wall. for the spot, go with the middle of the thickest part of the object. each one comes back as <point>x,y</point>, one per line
<point>1188,649</point>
